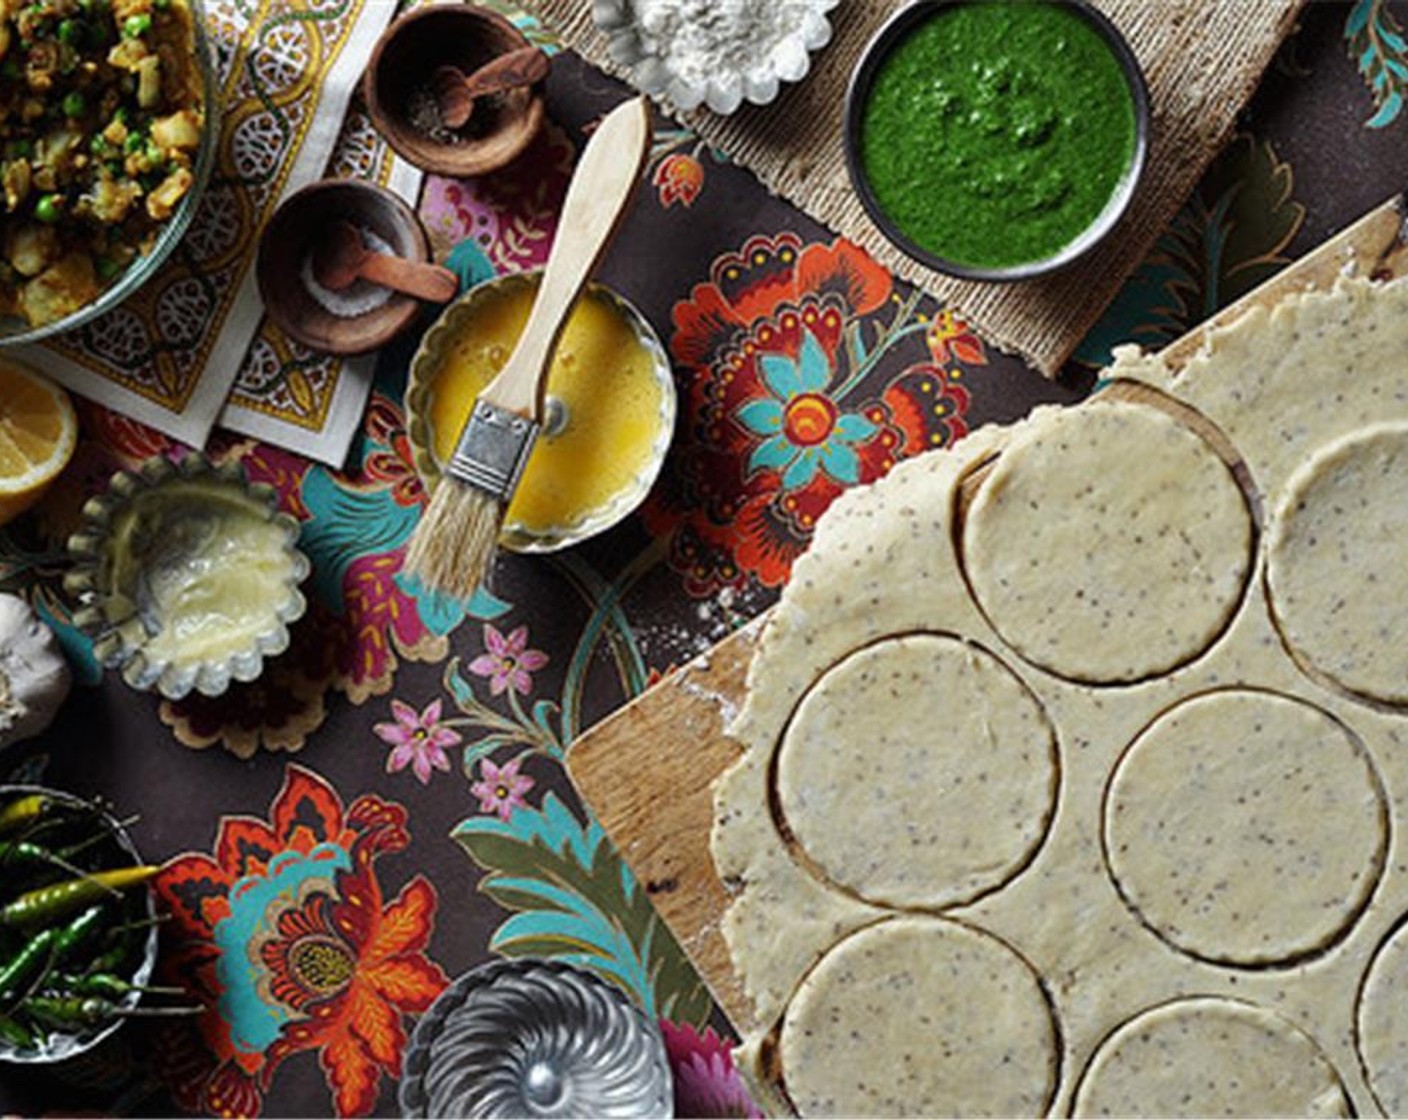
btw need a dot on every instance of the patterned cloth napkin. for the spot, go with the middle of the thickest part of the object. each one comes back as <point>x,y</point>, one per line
<point>192,347</point>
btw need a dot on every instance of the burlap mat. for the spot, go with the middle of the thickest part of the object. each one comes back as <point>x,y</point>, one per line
<point>1201,59</point>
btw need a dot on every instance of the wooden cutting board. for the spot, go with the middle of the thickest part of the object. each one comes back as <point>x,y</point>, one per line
<point>647,771</point>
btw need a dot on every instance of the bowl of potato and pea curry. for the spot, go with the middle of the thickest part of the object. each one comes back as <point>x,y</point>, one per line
<point>105,138</point>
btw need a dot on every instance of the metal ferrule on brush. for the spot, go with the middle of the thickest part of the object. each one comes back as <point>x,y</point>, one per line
<point>493,450</point>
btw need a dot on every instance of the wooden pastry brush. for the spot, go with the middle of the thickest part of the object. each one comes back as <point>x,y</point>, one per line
<point>453,546</point>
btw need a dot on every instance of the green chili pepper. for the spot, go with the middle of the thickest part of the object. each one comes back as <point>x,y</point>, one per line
<point>74,1013</point>
<point>75,937</point>
<point>134,27</point>
<point>49,208</point>
<point>28,965</point>
<point>107,985</point>
<point>16,854</point>
<point>22,812</point>
<point>16,1034</point>
<point>74,103</point>
<point>48,904</point>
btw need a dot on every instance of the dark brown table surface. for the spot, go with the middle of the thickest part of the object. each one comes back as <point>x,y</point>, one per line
<point>322,898</point>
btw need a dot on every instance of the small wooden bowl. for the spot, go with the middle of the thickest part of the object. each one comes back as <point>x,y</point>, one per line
<point>459,35</point>
<point>288,241</point>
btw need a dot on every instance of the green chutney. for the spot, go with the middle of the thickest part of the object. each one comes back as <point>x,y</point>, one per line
<point>994,134</point>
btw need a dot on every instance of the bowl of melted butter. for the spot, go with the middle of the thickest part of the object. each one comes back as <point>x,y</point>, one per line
<point>186,575</point>
<point>609,417</point>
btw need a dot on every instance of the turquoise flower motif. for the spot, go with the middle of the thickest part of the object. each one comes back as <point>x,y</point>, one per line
<point>803,429</point>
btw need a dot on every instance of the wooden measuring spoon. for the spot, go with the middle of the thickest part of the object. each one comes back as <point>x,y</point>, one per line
<point>455,92</point>
<point>341,257</point>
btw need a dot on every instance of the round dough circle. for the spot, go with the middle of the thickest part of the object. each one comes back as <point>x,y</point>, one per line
<point>920,1017</point>
<point>1210,1057</point>
<point>1335,571</point>
<point>1246,828</point>
<point>938,760</point>
<point>1383,1028</point>
<point>1109,543</point>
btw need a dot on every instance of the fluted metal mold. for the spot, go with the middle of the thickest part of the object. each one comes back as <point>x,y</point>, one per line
<point>535,1039</point>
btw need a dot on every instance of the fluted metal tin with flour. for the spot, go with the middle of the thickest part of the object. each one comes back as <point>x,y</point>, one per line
<point>716,53</point>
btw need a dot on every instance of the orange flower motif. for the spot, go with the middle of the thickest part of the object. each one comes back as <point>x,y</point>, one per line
<point>286,938</point>
<point>679,178</point>
<point>950,338</point>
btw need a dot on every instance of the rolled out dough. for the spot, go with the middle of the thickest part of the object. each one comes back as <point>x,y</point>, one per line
<point>959,1018</point>
<point>1246,827</point>
<point>1109,543</point>
<point>1337,562</point>
<point>936,734</point>
<point>1210,1057</point>
<point>1225,854</point>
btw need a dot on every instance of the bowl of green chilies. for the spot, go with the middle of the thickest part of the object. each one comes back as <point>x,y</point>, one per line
<point>78,934</point>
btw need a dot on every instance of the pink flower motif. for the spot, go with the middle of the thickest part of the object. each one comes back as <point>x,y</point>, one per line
<point>500,789</point>
<point>508,662</point>
<point>419,741</point>
<point>706,1082</point>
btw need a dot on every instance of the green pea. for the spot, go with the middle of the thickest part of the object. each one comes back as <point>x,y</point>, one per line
<point>134,27</point>
<point>99,146</point>
<point>161,5</point>
<point>120,114</point>
<point>74,104</point>
<point>49,208</point>
<point>70,31</point>
<point>108,268</point>
<point>133,143</point>
<point>20,149</point>
<point>155,156</point>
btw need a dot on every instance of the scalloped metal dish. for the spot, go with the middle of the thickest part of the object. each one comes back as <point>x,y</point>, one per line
<point>419,391</point>
<point>527,1038</point>
<point>114,622</point>
<point>789,60</point>
<point>61,1046</point>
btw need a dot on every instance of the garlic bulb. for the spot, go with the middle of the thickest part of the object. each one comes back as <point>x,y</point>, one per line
<point>34,677</point>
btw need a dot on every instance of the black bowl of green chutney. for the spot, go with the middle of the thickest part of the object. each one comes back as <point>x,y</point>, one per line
<point>997,139</point>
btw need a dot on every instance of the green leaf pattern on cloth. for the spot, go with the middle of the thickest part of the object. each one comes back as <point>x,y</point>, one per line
<point>575,900</point>
<point>1376,43</point>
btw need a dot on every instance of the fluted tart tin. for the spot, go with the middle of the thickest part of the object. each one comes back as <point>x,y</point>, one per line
<point>527,1038</point>
<point>186,575</point>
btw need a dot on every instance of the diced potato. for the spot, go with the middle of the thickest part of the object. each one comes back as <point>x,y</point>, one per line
<point>127,54</point>
<point>179,130</point>
<point>16,182</point>
<point>60,289</point>
<point>31,248</point>
<point>112,199</point>
<point>149,81</point>
<point>121,9</point>
<point>171,190</point>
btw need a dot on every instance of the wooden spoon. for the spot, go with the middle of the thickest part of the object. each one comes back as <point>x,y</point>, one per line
<point>341,257</point>
<point>455,93</point>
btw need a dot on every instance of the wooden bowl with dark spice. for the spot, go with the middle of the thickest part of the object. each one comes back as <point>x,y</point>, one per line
<point>401,99</point>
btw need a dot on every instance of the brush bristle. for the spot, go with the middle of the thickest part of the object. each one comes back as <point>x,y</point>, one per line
<point>453,546</point>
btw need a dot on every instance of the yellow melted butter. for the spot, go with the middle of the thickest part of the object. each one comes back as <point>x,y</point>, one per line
<point>203,567</point>
<point>602,375</point>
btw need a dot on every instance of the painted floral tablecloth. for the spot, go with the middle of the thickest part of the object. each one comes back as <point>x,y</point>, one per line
<point>321,899</point>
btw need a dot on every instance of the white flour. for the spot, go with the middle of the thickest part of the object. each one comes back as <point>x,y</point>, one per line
<point>700,39</point>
